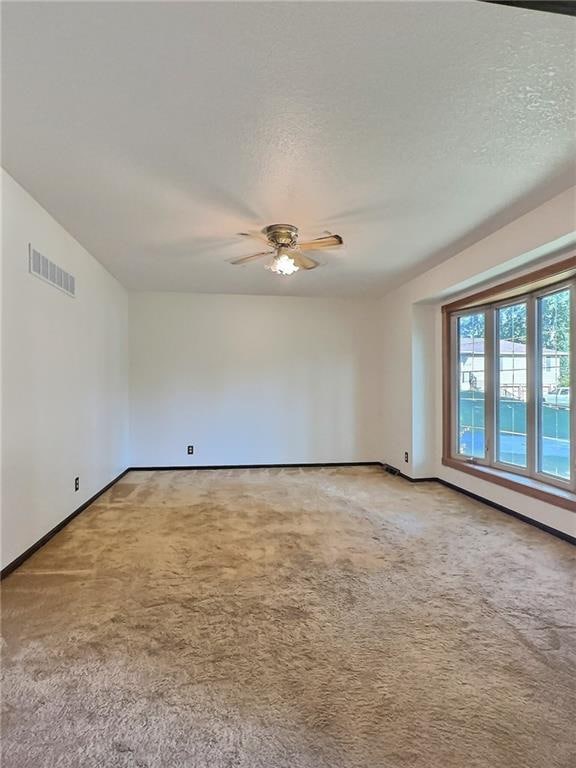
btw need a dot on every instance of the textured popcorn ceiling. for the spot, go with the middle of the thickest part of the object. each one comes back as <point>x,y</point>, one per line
<point>155,131</point>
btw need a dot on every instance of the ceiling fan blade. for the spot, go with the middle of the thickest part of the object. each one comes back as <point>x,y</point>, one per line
<point>330,241</point>
<point>254,256</point>
<point>256,235</point>
<point>304,262</point>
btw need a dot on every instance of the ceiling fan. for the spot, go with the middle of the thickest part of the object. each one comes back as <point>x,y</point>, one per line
<point>287,253</point>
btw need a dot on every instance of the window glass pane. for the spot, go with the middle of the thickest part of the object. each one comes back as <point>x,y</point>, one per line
<point>470,420</point>
<point>554,364</point>
<point>512,390</point>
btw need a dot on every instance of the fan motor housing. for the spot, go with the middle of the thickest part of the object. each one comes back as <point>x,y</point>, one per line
<point>281,234</point>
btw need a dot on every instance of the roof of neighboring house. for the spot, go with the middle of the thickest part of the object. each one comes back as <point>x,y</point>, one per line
<point>475,346</point>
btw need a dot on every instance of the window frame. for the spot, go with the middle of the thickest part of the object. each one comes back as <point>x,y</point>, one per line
<point>529,288</point>
<point>495,381</point>
<point>454,355</point>
<point>538,474</point>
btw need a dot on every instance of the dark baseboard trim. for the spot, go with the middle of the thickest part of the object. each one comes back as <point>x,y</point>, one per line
<point>258,466</point>
<point>386,467</point>
<point>519,516</point>
<point>396,472</point>
<point>513,513</point>
<point>47,536</point>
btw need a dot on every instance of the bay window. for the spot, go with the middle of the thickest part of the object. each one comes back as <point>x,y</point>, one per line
<point>508,383</point>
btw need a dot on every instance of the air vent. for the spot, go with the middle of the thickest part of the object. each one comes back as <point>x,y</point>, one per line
<point>51,273</point>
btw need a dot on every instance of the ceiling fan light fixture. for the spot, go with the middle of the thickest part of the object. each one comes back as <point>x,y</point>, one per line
<point>283,264</point>
<point>287,251</point>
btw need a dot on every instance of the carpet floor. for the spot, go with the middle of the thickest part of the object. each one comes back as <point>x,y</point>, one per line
<point>290,618</point>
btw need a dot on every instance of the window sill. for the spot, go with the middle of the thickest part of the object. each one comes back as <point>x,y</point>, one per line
<point>526,485</point>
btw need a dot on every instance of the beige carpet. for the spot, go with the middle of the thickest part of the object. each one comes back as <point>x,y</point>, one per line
<point>331,618</point>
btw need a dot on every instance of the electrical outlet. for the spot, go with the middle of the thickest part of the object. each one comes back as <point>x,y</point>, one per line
<point>190,449</point>
<point>406,456</point>
<point>76,484</point>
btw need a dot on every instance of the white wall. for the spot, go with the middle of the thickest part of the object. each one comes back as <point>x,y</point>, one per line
<point>252,379</point>
<point>64,377</point>
<point>245,379</point>
<point>412,374</point>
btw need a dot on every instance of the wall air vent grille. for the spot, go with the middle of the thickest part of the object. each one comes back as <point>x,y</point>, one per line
<point>51,273</point>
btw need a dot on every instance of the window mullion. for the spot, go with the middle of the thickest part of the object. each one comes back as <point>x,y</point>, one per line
<point>533,387</point>
<point>455,374</point>
<point>572,384</point>
<point>490,385</point>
